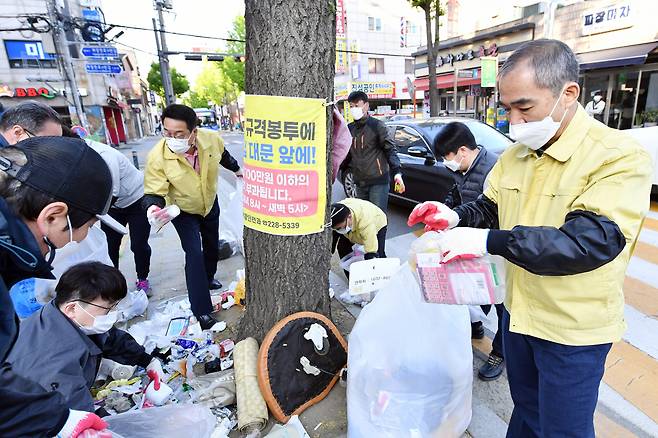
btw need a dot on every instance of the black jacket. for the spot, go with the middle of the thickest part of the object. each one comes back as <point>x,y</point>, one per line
<point>585,242</point>
<point>373,156</point>
<point>70,365</point>
<point>26,409</point>
<point>470,185</point>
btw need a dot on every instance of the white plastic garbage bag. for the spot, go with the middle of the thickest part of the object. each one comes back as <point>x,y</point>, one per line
<point>357,255</point>
<point>32,294</point>
<point>410,366</point>
<point>134,304</point>
<point>172,421</point>
<point>231,221</point>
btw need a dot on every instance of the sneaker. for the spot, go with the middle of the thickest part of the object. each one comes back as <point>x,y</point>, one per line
<point>492,369</point>
<point>477,330</point>
<point>145,286</point>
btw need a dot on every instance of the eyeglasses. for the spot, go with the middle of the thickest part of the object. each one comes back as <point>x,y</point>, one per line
<point>109,309</point>
<point>30,134</point>
<point>178,135</point>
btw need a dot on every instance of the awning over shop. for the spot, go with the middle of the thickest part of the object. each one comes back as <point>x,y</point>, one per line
<point>444,81</point>
<point>617,57</point>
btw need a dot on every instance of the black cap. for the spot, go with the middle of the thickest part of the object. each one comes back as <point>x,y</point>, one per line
<point>69,171</point>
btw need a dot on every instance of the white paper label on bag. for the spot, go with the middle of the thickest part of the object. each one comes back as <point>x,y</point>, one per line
<point>371,275</point>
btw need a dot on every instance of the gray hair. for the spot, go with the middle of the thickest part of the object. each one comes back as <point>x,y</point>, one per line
<point>553,62</point>
<point>30,115</point>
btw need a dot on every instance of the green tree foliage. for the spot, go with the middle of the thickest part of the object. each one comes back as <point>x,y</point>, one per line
<point>234,70</point>
<point>178,80</point>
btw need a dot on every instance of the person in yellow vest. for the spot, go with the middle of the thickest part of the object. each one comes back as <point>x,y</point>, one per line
<point>182,170</point>
<point>564,205</point>
<point>361,222</point>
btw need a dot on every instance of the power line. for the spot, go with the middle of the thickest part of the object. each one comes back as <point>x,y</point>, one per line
<point>135,48</point>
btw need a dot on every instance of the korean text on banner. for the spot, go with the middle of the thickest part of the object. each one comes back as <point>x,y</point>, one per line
<point>489,66</point>
<point>285,165</point>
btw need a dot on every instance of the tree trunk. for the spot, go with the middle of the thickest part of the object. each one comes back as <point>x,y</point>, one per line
<point>290,51</point>
<point>431,63</point>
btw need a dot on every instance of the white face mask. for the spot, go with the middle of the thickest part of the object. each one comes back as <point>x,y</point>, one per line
<point>70,248</point>
<point>597,99</point>
<point>537,134</point>
<point>453,164</point>
<point>357,112</point>
<point>178,145</point>
<point>102,323</point>
<point>344,230</point>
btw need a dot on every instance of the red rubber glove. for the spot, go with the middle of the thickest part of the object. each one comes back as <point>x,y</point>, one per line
<point>82,424</point>
<point>435,215</point>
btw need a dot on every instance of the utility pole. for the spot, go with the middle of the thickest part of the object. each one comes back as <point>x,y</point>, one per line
<point>64,55</point>
<point>161,43</point>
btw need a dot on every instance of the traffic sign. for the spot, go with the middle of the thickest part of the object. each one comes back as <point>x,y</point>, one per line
<point>100,52</point>
<point>103,69</point>
<point>465,73</point>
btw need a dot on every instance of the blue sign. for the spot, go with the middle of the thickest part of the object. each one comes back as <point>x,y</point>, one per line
<point>100,52</point>
<point>103,69</point>
<point>26,50</point>
<point>91,15</point>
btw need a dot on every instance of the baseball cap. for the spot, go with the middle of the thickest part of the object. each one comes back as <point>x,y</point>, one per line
<point>67,170</point>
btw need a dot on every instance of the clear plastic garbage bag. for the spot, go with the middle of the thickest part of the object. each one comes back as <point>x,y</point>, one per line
<point>173,421</point>
<point>410,366</point>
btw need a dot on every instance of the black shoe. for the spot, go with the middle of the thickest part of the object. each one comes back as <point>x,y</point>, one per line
<point>477,330</point>
<point>492,369</point>
<point>214,285</point>
<point>206,321</point>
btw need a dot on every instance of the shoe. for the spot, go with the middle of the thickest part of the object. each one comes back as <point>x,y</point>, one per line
<point>145,286</point>
<point>206,321</point>
<point>492,369</point>
<point>214,285</point>
<point>477,330</point>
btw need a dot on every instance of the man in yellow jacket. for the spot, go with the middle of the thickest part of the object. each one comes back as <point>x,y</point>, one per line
<point>182,170</point>
<point>361,222</point>
<point>564,206</point>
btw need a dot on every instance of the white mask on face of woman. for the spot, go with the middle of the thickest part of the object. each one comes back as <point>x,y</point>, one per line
<point>178,145</point>
<point>344,230</point>
<point>357,112</point>
<point>537,134</point>
<point>102,323</point>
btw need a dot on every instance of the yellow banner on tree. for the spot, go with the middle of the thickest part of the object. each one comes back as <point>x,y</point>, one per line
<point>285,165</point>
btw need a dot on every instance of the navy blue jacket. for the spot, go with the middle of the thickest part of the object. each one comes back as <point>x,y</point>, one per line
<point>26,409</point>
<point>470,185</point>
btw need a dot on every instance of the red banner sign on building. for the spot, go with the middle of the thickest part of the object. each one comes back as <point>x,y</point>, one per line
<point>341,23</point>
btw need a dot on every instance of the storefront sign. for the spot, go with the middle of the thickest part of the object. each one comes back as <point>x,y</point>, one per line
<point>615,17</point>
<point>347,113</point>
<point>6,91</point>
<point>468,55</point>
<point>341,19</point>
<point>375,90</point>
<point>285,166</point>
<point>341,91</point>
<point>403,32</point>
<point>341,56</point>
<point>489,67</point>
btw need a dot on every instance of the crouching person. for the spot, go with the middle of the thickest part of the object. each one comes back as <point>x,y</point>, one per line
<point>61,346</point>
<point>361,222</point>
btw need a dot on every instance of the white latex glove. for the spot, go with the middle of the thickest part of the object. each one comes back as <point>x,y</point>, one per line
<point>156,366</point>
<point>84,424</point>
<point>159,217</point>
<point>463,243</point>
<point>399,184</point>
<point>435,215</point>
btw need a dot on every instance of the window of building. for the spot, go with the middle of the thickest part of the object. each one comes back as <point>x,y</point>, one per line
<point>28,54</point>
<point>375,65</point>
<point>408,66</point>
<point>374,24</point>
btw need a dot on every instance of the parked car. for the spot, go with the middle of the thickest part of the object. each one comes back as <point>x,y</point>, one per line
<point>425,176</point>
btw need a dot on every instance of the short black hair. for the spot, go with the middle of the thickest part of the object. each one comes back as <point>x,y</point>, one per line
<point>356,96</point>
<point>27,202</point>
<point>30,115</point>
<point>181,112</point>
<point>90,280</point>
<point>451,137</point>
<point>339,213</point>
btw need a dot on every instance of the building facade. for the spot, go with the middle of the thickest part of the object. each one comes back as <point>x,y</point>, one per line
<point>615,43</point>
<point>385,33</point>
<point>31,68</point>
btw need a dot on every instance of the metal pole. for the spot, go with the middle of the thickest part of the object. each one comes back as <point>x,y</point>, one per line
<point>62,50</point>
<point>637,96</point>
<point>135,159</point>
<point>454,93</point>
<point>170,98</point>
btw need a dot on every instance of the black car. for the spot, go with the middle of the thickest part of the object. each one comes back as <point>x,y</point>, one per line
<point>425,176</point>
